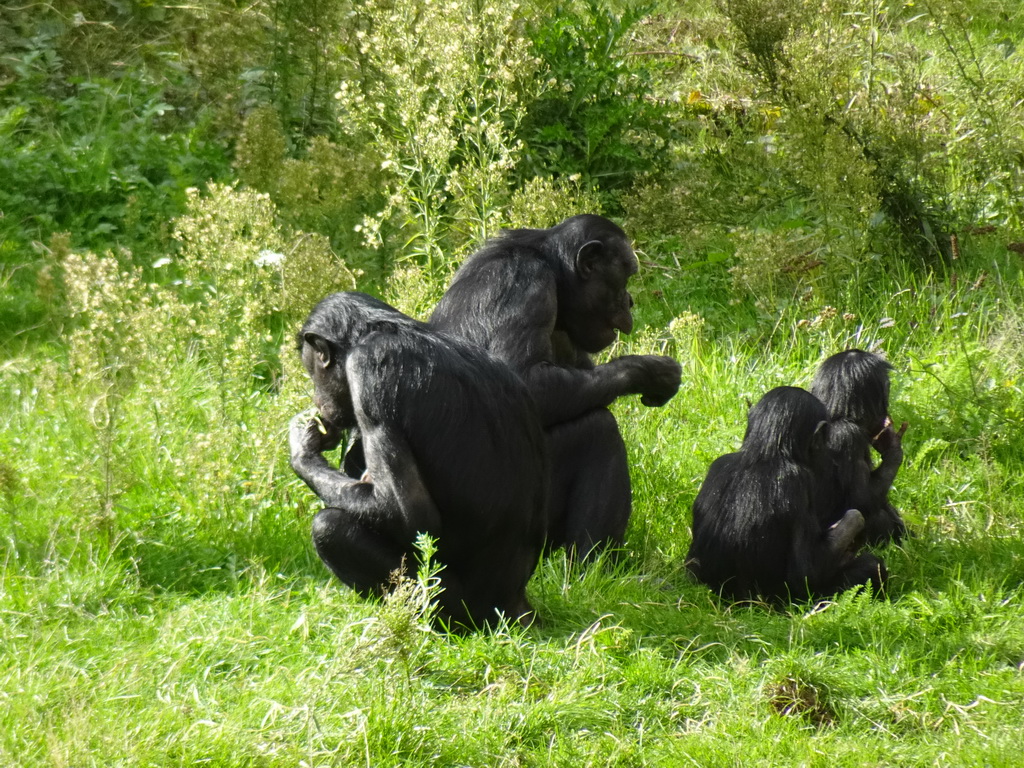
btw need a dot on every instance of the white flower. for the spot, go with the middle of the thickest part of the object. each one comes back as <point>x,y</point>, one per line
<point>268,258</point>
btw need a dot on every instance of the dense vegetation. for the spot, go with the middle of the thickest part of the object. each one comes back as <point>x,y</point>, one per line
<point>178,184</point>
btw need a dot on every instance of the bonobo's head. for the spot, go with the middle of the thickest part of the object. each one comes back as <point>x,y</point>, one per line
<point>336,325</point>
<point>854,385</point>
<point>789,421</point>
<point>597,262</point>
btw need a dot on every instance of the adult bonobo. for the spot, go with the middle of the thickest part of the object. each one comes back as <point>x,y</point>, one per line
<point>451,446</point>
<point>544,301</point>
<point>854,386</point>
<point>757,528</point>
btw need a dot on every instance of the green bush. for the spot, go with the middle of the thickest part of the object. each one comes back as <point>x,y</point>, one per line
<point>596,116</point>
<point>861,134</point>
<point>94,146</point>
<point>440,90</point>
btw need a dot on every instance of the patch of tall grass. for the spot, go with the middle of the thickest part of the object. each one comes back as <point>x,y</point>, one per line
<point>160,602</point>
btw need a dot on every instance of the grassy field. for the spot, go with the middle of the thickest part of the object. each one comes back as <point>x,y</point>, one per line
<point>799,177</point>
<point>160,603</point>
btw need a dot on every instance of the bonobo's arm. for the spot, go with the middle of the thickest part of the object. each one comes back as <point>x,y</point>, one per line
<point>564,394</point>
<point>393,498</point>
<point>307,444</point>
<point>519,327</point>
<point>859,486</point>
<point>889,444</point>
<point>851,466</point>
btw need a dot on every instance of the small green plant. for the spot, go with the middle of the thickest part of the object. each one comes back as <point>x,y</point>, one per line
<point>401,628</point>
<point>792,697</point>
<point>300,73</point>
<point>544,202</point>
<point>328,190</point>
<point>765,27</point>
<point>774,267</point>
<point>95,144</point>
<point>261,149</point>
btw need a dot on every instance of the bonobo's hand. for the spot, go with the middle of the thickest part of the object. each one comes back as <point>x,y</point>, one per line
<point>889,439</point>
<point>660,380</point>
<point>309,435</point>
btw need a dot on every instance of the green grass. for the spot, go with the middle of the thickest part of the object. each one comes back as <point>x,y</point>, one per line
<point>160,603</point>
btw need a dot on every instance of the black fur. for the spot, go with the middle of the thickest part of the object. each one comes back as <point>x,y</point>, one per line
<point>544,301</point>
<point>854,386</point>
<point>757,530</point>
<point>451,445</point>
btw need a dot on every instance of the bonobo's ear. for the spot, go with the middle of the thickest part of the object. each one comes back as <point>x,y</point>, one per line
<point>820,433</point>
<point>320,346</point>
<point>587,256</point>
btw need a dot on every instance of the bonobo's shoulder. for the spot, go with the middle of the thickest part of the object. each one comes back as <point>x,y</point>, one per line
<point>771,475</point>
<point>503,262</point>
<point>726,460</point>
<point>390,344</point>
<point>723,467</point>
<point>420,352</point>
<point>497,297</point>
<point>385,362</point>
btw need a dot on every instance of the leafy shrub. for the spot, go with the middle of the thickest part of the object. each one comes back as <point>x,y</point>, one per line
<point>774,267</point>
<point>301,72</point>
<point>544,202</point>
<point>861,88</point>
<point>970,402</point>
<point>328,190</point>
<point>249,279</point>
<point>596,116</point>
<point>93,146</point>
<point>119,321</point>
<point>440,90</point>
<point>975,84</point>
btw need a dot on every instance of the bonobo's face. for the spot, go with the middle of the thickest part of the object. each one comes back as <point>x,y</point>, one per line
<point>331,394</point>
<point>601,304</point>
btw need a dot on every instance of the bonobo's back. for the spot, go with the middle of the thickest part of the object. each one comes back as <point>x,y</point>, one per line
<point>477,439</point>
<point>499,288</point>
<point>742,524</point>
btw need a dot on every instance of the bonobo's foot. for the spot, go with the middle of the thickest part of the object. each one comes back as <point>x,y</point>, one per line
<point>842,533</point>
<point>525,616</point>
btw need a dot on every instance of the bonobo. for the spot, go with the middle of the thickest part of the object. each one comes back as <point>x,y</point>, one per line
<point>450,444</point>
<point>757,529</point>
<point>854,386</point>
<point>544,301</point>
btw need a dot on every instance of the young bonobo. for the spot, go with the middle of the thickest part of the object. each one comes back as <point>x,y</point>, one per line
<point>757,530</point>
<point>854,386</point>
<point>544,301</point>
<point>450,444</point>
